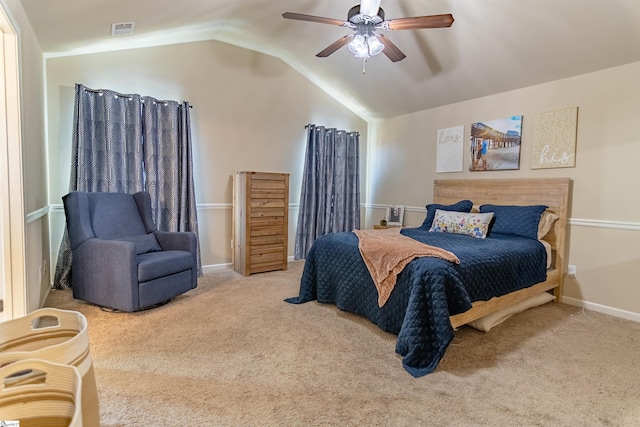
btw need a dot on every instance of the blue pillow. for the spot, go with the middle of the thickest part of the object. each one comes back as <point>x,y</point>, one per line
<point>515,220</point>
<point>461,206</point>
<point>144,243</point>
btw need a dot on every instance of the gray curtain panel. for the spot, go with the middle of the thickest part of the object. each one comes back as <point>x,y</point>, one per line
<point>168,166</point>
<point>330,196</point>
<point>129,143</point>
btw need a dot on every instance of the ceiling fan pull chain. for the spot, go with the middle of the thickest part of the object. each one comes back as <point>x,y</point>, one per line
<point>364,65</point>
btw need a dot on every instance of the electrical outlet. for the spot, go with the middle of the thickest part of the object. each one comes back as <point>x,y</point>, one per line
<point>42,270</point>
<point>571,271</point>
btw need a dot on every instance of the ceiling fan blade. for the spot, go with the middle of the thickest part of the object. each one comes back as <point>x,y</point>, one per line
<point>418,22</point>
<point>335,46</point>
<point>390,49</point>
<point>313,18</point>
<point>369,7</point>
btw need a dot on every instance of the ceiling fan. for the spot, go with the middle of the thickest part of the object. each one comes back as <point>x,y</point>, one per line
<point>367,19</point>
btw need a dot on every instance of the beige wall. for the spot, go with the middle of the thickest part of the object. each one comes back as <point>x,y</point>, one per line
<point>34,155</point>
<point>605,225</point>
<point>249,113</point>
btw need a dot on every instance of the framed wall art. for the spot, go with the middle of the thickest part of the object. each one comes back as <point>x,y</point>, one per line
<point>554,139</point>
<point>495,144</point>
<point>450,150</point>
<point>395,215</point>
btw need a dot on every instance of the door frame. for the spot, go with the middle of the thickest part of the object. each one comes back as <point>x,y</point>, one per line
<point>13,289</point>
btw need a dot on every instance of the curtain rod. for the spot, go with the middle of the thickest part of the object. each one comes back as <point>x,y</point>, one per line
<point>101,91</point>
<point>339,130</point>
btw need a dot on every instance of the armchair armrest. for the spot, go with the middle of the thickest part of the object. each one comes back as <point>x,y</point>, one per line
<point>177,240</point>
<point>181,241</point>
<point>106,271</point>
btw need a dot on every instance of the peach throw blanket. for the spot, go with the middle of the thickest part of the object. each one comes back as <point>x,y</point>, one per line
<point>387,252</point>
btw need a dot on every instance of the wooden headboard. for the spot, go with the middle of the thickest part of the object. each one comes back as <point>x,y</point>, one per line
<point>552,192</point>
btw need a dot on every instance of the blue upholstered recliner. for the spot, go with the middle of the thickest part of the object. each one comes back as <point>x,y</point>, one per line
<point>120,260</point>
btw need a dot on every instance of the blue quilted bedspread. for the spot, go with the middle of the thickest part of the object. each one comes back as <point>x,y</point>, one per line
<point>427,291</point>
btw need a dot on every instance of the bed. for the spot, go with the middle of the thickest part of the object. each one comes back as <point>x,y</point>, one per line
<point>434,296</point>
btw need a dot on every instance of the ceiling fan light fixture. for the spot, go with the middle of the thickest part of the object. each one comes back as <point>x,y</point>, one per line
<point>358,46</point>
<point>375,46</point>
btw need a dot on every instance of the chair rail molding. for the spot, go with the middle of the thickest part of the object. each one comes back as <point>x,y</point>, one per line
<point>619,225</point>
<point>577,222</point>
<point>37,214</point>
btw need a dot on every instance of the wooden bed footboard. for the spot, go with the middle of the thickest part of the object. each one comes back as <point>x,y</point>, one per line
<point>552,192</point>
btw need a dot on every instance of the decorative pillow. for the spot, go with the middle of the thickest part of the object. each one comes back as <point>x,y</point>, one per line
<point>515,220</point>
<point>546,222</point>
<point>461,206</point>
<point>144,243</point>
<point>470,224</point>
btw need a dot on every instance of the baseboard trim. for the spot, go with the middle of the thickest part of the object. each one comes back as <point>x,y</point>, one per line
<point>616,312</point>
<point>216,267</point>
<point>229,266</point>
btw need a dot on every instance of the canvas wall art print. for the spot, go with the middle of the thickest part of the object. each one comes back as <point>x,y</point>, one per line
<point>554,139</point>
<point>495,144</point>
<point>450,150</point>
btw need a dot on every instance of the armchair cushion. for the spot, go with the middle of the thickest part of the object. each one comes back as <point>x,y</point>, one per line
<point>115,215</point>
<point>159,264</point>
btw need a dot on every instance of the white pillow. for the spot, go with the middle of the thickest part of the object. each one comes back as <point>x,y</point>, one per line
<point>490,320</point>
<point>546,222</point>
<point>470,224</point>
<point>544,226</point>
<point>547,247</point>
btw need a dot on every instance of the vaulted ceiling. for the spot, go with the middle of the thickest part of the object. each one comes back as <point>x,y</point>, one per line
<point>492,47</point>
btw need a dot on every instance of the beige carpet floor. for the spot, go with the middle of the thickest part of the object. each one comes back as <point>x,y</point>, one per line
<point>232,353</point>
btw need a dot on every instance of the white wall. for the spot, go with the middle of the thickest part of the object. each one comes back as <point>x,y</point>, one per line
<point>605,225</point>
<point>249,113</point>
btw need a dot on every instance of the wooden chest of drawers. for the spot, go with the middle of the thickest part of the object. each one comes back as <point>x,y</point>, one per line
<point>260,221</point>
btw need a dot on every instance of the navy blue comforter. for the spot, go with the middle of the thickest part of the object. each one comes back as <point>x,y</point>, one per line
<point>427,291</point>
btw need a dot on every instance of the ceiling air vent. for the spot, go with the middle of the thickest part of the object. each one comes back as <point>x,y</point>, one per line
<point>122,28</point>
